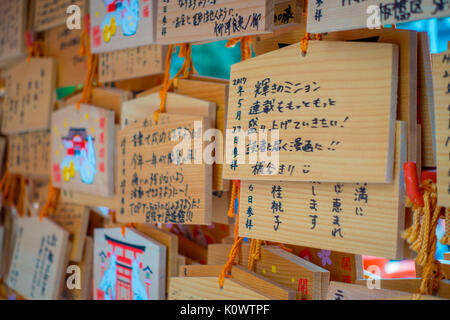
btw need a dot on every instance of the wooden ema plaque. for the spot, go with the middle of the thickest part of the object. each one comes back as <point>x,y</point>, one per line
<point>212,19</point>
<point>63,45</point>
<point>321,127</point>
<point>29,96</point>
<point>130,267</point>
<point>119,25</point>
<point>132,63</point>
<point>426,101</point>
<point>29,153</point>
<point>309,281</point>
<point>83,149</point>
<point>336,15</point>
<point>39,259</point>
<point>74,219</point>
<point>162,175</point>
<point>359,218</point>
<point>243,276</point>
<point>441,83</point>
<point>12,30</point>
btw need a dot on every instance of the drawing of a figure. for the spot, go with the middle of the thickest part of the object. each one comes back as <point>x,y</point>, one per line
<point>80,156</point>
<point>109,279</point>
<point>138,289</point>
<point>124,13</point>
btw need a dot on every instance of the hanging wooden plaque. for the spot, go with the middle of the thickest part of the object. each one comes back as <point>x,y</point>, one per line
<point>441,83</point>
<point>162,175</point>
<point>336,15</point>
<point>12,30</point>
<point>119,25</point>
<point>39,259</point>
<point>128,267</point>
<point>299,109</point>
<point>212,19</point>
<point>82,157</point>
<point>29,95</point>
<point>74,219</point>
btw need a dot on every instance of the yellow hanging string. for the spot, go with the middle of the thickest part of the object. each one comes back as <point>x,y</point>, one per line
<point>422,238</point>
<point>236,248</point>
<point>34,47</point>
<point>22,197</point>
<point>246,46</point>
<point>50,204</point>
<point>4,183</point>
<point>128,225</point>
<point>305,40</point>
<point>446,238</point>
<point>92,74</point>
<point>186,69</point>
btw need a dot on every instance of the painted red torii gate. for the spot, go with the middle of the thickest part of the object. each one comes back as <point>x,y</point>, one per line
<point>123,272</point>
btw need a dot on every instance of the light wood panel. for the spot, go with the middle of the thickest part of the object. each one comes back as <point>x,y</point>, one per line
<point>39,259</point>
<point>426,100</point>
<point>335,15</point>
<point>317,115</point>
<point>74,219</point>
<point>29,95</point>
<point>12,25</point>
<point>158,181</point>
<point>128,267</point>
<point>82,157</point>
<point>347,291</point>
<point>244,276</point>
<point>115,27</point>
<point>207,288</point>
<point>441,86</point>
<point>309,281</point>
<point>212,20</point>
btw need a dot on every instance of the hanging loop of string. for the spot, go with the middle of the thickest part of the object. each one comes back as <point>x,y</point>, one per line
<point>305,40</point>
<point>34,47</point>
<point>124,227</point>
<point>422,237</point>
<point>236,248</point>
<point>246,46</point>
<point>52,200</point>
<point>92,74</point>
<point>185,71</point>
